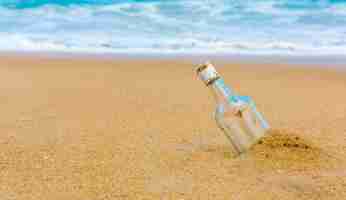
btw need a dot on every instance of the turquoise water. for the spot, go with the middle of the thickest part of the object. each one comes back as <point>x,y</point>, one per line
<point>303,27</point>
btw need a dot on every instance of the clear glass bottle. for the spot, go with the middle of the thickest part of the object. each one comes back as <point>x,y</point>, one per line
<point>235,115</point>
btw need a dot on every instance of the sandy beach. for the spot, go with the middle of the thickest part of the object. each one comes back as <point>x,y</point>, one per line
<point>92,129</point>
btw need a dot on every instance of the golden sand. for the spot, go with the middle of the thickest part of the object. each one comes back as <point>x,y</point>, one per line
<point>92,129</point>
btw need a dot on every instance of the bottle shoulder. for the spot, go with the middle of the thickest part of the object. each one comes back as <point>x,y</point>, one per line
<point>234,108</point>
<point>234,103</point>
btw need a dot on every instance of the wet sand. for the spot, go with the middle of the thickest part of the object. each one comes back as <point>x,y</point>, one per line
<point>93,129</point>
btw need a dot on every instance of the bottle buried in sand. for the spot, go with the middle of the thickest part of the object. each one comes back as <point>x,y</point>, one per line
<point>235,115</point>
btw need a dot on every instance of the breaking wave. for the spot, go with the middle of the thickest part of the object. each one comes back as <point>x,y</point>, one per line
<point>164,26</point>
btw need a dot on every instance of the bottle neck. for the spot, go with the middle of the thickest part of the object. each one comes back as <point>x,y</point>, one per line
<point>221,92</point>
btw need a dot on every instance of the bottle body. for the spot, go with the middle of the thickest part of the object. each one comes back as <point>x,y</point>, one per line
<point>238,118</point>
<point>235,115</point>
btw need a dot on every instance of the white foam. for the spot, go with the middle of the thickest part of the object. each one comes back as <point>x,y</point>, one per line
<point>260,27</point>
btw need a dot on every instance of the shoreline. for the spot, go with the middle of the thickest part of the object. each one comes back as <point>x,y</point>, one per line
<point>329,61</point>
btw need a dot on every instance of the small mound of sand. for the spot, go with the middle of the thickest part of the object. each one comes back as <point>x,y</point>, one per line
<point>286,149</point>
<point>283,139</point>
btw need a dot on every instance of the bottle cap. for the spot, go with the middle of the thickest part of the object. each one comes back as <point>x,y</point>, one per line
<point>207,73</point>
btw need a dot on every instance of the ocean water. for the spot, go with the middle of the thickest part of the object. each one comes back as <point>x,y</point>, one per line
<point>288,27</point>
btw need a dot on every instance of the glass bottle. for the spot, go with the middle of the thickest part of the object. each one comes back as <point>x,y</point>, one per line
<point>235,115</point>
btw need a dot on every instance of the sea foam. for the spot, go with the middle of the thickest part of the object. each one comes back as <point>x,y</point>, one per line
<point>199,26</point>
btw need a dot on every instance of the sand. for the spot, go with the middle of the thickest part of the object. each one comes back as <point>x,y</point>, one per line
<point>92,129</point>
